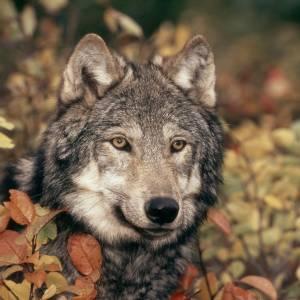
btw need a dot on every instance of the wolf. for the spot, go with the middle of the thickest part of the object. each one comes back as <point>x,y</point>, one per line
<point>134,155</point>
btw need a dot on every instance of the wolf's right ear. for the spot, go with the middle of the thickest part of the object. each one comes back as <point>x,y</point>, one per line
<point>90,71</point>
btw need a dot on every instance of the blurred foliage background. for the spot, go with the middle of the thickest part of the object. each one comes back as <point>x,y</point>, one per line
<point>256,45</point>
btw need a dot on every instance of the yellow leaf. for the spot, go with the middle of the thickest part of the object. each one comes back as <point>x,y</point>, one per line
<point>21,290</point>
<point>53,6</point>
<point>283,137</point>
<point>5,124</point>
<point>58,280</point>
<point>6,294</point>
<point>49,263</point>
<point>50,292</point>
<point>273,202</point>
<point>6,142</point>
<point>28,20</point>
<point>116,21</point>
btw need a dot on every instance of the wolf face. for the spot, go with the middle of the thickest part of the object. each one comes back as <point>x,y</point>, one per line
<point>134,152</point>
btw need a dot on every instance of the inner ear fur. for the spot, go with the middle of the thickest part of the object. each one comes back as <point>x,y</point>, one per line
<point>90,71</point>
<point>193,70</point>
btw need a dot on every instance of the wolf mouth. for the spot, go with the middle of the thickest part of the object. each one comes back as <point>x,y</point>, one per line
<point>146,232</point>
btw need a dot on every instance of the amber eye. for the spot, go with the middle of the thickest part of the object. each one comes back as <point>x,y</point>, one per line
<point>178,145</point>
<point>120,143</point>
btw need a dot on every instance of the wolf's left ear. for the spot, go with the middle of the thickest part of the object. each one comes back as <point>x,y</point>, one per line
<point>90,71</point>
<point>193,69</point>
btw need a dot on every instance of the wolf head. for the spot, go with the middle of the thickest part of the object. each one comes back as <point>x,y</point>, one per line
<point>134,152</point>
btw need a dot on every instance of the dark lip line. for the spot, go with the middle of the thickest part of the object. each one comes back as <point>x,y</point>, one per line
<point>149,233</point>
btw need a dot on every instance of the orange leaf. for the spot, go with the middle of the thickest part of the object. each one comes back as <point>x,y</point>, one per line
<point>190,274</point>
<point>4,218</point>
<point>85,288</point>
<point>36,277</point>
<point>20,207</point>
<point>262,284</point>
<point>85,253</point>
<point>13,248</point>
<point>220,220</point>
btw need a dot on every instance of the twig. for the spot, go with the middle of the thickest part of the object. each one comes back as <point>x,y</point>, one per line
<point>204,271</point>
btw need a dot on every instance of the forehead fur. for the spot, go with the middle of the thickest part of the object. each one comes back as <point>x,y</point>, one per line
<point>147,96</point>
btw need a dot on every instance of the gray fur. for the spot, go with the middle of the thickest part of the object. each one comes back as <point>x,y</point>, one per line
<point>105,189</point>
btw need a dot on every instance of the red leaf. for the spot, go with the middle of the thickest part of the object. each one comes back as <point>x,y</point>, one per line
<point>190,274</point>
<point>180,295</point>
<point>262,284</point>
<point>220,220</point>
<point>13,248</point>
<point>4,218</point>
<point>20,207</point>
<point>85,253</point>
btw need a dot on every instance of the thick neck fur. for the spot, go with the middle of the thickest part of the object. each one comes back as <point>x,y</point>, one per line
<point>128,271</point>
<point>132,271</point>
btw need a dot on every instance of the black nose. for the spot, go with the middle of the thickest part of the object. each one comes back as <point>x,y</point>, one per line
<point>162,210</point>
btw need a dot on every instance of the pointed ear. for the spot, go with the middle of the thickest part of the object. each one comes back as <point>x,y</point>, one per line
<point>90,71</point>
<point>193,69</point>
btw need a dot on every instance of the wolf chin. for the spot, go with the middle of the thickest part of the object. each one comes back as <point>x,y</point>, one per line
<point>134,154</point>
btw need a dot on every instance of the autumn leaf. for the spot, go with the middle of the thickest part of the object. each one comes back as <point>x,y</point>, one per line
<point>4,217</point>
<point>179,295</point>
<point>20,207</point>
<point>85,288</point>
<point>13,248</point>
<point>39,222</point>
<point>85,253</point>
<point>190,274</point>
<point>204,290</point>
<point>220,220</point>
<point>50,292</point>
<point>9,271</point>
<point>262,284</point>
<point>232,292</point>
<point>48,263</point>
<point>36,277</point>
<point>58,280</point>
<point>21,290</point>
<point>6,294</point>
<point>48,232</point>
<point>116,21</point>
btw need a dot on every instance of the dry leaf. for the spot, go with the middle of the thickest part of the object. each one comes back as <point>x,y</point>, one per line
<point>49,293</point>
<point>4,217</point>
<point>28,20</point>
<point>20,207</point>
<point>36,277</point>
<point>190,274</point>
<point>116,21</point>
<point>21,290</point>
<point>85,253</point>
<point>9,271</point>
<point>13,248</point>
<point>48,263</point>
<point>219,219</point>
<point>262,284</point>
<point>58,280</point>
<point>39,222</point>
<point>6,142</point>
<point>86,289</point>
<point>6,294</point>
